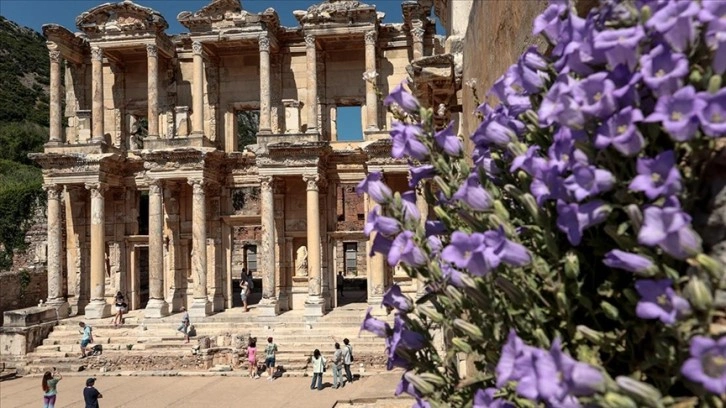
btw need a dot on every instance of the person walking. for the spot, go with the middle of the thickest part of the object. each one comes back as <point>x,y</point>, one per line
<point>86,337</point>
<point>318,369</point>
<point>120,309</point>
<point>91,394</point>
<point>340,281</point>
<point>244,292</point>
<point>337,367</point>
<point>252,357</point>
<point>185,323</point>
<point>50,390</point>
<point>270,352</point>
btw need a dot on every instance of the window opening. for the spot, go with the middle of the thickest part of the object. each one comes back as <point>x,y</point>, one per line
<point>348,124</point>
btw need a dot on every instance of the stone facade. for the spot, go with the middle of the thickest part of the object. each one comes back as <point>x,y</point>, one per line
<point>150,191</point>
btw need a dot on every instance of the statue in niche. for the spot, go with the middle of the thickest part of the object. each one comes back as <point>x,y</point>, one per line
<point>301,261</point>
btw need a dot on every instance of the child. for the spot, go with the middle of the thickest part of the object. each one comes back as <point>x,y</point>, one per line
<point>252,358</point>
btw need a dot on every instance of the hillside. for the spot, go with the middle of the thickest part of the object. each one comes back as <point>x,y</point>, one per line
<point>24,79</point>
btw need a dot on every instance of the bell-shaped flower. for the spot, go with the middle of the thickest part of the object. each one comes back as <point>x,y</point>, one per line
<point>587,181</point>
<point>422,172</point>
<point>663,70</point>
<point>620,45</point>
<point>375,326</point>
<point>485,399</point>
<point>573,219</point>
<point>448,141</point>
<point>470,252</point>
<point>596,95</point>
<point>621,132</point>
<point>659,301</point>
<point>404,249</point>
<point>401,97</point>
<point>380,223</point>
<point>408,203</point>
<point>669,228</point>
<point>676,22</point>
<point>508,251</point>
<point>374,186</point>
<point>405,140</point>
<point>707,365</point>
<point>402,338</point>
<point>548,185</point>
<point>713,116</point>
<point>473,194</point>
<point>678,113</point>
<point>628,261</point>
<point>658,176</point>
<point>395,299</point>
<point>549,22</point>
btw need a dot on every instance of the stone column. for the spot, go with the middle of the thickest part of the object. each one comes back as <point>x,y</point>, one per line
<point>200,306</point>
<point>97,113</point>
<point>98,308</point>
<point>55,251</point>
<point>376,270</point>
<point>156,306</point>
<point>423,208</point>
<point>152,86</point>
<point>417,35</point>
<point>314,304</point>
<point>198,90</point>
<point>312,85</point>
<point>371,99</point>
<point>264,44</point>
<point>56,118</point>
<point>268,304</point>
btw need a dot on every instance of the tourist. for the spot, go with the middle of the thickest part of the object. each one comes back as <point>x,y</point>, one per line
<point>184,326</point>
<point>340,280</point>
<point>86,337</point>
<point>244,292</point>
<point>252,357</point>
<point>337,366</point>
<point>270,351</point>
<point>91,394</point>
<point>120,309</point>
<point>347,359</point>
<point>50,383</point>
<point>318,369</point>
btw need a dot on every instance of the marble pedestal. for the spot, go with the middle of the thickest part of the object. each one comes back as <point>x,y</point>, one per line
<point>156,308</point>
<point>97,309</point>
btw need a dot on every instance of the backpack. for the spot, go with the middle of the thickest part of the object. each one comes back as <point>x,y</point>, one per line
<point>350,351</point>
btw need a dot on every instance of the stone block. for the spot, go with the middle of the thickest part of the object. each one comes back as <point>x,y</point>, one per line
<point>29,316</point>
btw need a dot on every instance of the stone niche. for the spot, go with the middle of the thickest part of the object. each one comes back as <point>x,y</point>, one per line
<point>246,201</point>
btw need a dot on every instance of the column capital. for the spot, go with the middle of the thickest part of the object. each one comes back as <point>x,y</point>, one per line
<point>264,42</point>
<point>309,40</point>
<point>312,180</point>
<point>197,185</point>
<point>96,189</point>
<point>97,53</point>
<point>417,32</point>
<point>371,37</point>
<point>266,183</point>
<point>152,50</point>
<point>53,190</point>
<point>197,47</point>
<point>55,56</point>
<point>155,186</point>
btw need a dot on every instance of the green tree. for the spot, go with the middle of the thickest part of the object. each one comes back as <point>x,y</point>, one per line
<point>20,138</point>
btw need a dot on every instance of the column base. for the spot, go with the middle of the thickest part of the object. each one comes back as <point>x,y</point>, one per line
<point>156,308</point>
<point>314,308</point>
<point>61,306</point>
<point>268,307</point>
<point>97,309</point>
<point>200,308</point>
<point>283,301</point>
<point>218,303</point>
<point>53,143</point>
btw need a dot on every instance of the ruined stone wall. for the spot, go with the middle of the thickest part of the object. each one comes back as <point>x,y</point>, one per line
<point>361,257</point>
<point>349,211</point>
<point>19,289</point>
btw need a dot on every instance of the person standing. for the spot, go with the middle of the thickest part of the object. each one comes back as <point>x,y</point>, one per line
<point>318,369</point>
<point>252,357</point>
<point>347,359</point>
<point>86,337</point>
<point>91,394</point>
<point>340,281</point>
<point>270,352</point>
<point>50,384</point>
<point>185,323</point>
<point>244,292</point>
<point>337,366</point>
<point>120,309</point>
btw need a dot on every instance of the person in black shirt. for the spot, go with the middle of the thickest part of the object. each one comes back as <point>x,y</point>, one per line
<point>91,394</point>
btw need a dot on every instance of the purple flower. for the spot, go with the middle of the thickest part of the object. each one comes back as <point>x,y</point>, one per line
<point>548,185</point>
<point>530,69</point>
<point>560,105</point>
<point>657,177</point>
<point>393,298</point>
<point>626,91</point>
<point>713,117</point>
<point>448,141</point>
<point>401,97</point>
<point>573,219</point>
<point>410,210</point>
<point>406,142</point>
<point>621,132</point>
<point>375,326</point>
<point>562,152</point>
<point>529,162</point>
<point>514,351</point>
<point>675,22</point>
<point>497,128</point>
<point>578,379</point>
<point>470,252</point>
<point>549,22</point>
<point>663,70</point>
<point>380,223</point>
<point>434,228</point>
<point>707,365</point>
<point>628,261</point>
<point>595,94</point>
<point>509,89</point>
<point>375,187</point>
<point>670,229</point>
<point>678,113</point>
<point>381,244</point>
<point>452,274</point>
<point>713,13</point>
<point>587,181</point>
<point>485,399</point>
<point>405,250</point>
<point>510,252</point>
<point>620,45</point>
<point>402,338</point>
<point>473,194</point>
<point>659,301</point>
<point>422,172</point>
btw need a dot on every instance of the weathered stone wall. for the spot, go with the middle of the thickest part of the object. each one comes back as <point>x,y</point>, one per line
<point>361,257</point>
<point>349,211</point>
<point>15,295</point>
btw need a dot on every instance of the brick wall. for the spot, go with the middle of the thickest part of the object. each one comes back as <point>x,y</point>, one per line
<point>350,212</point>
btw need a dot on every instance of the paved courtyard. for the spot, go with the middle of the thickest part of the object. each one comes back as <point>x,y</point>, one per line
<point>212,391</point>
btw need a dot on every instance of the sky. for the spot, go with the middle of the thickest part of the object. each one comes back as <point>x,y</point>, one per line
<point>35,13</point>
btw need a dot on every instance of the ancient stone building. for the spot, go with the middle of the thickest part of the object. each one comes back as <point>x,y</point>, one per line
<point>154,186</point>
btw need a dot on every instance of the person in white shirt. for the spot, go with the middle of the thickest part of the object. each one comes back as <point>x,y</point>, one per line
<point>318,369</point>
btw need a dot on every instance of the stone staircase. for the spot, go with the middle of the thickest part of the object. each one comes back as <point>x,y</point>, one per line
<point>155,345</point>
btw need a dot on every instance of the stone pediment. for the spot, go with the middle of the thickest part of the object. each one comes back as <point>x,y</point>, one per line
<point>345,12</point>
<point>220,15</point>
<point>122,18</point>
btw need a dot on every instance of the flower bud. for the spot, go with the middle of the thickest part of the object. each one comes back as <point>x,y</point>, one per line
<point>562,302</point>
<point>542,338</point>
<point>590,334</point>
<point>454,294</point>
<point>470,329</point>
<point>698,294</point>
<point>613,400</point>
<point>572,265</point>
<point>433,379</point>
<point>461,345</point>
<point>530,204</point>
<point>695,77</point>
<point>523,178</point>
<point>714,84</point>
<point>645,13</point>
<point>641,391</point>
<point>442,215</point>
<point>430,312</point>
<point>711,265</point>
<point>422,386</point>
<point>532,117</point>
<point>610,311</point>
<point>517,148</point>
<point>635,215</point>
<point>500,210</point>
